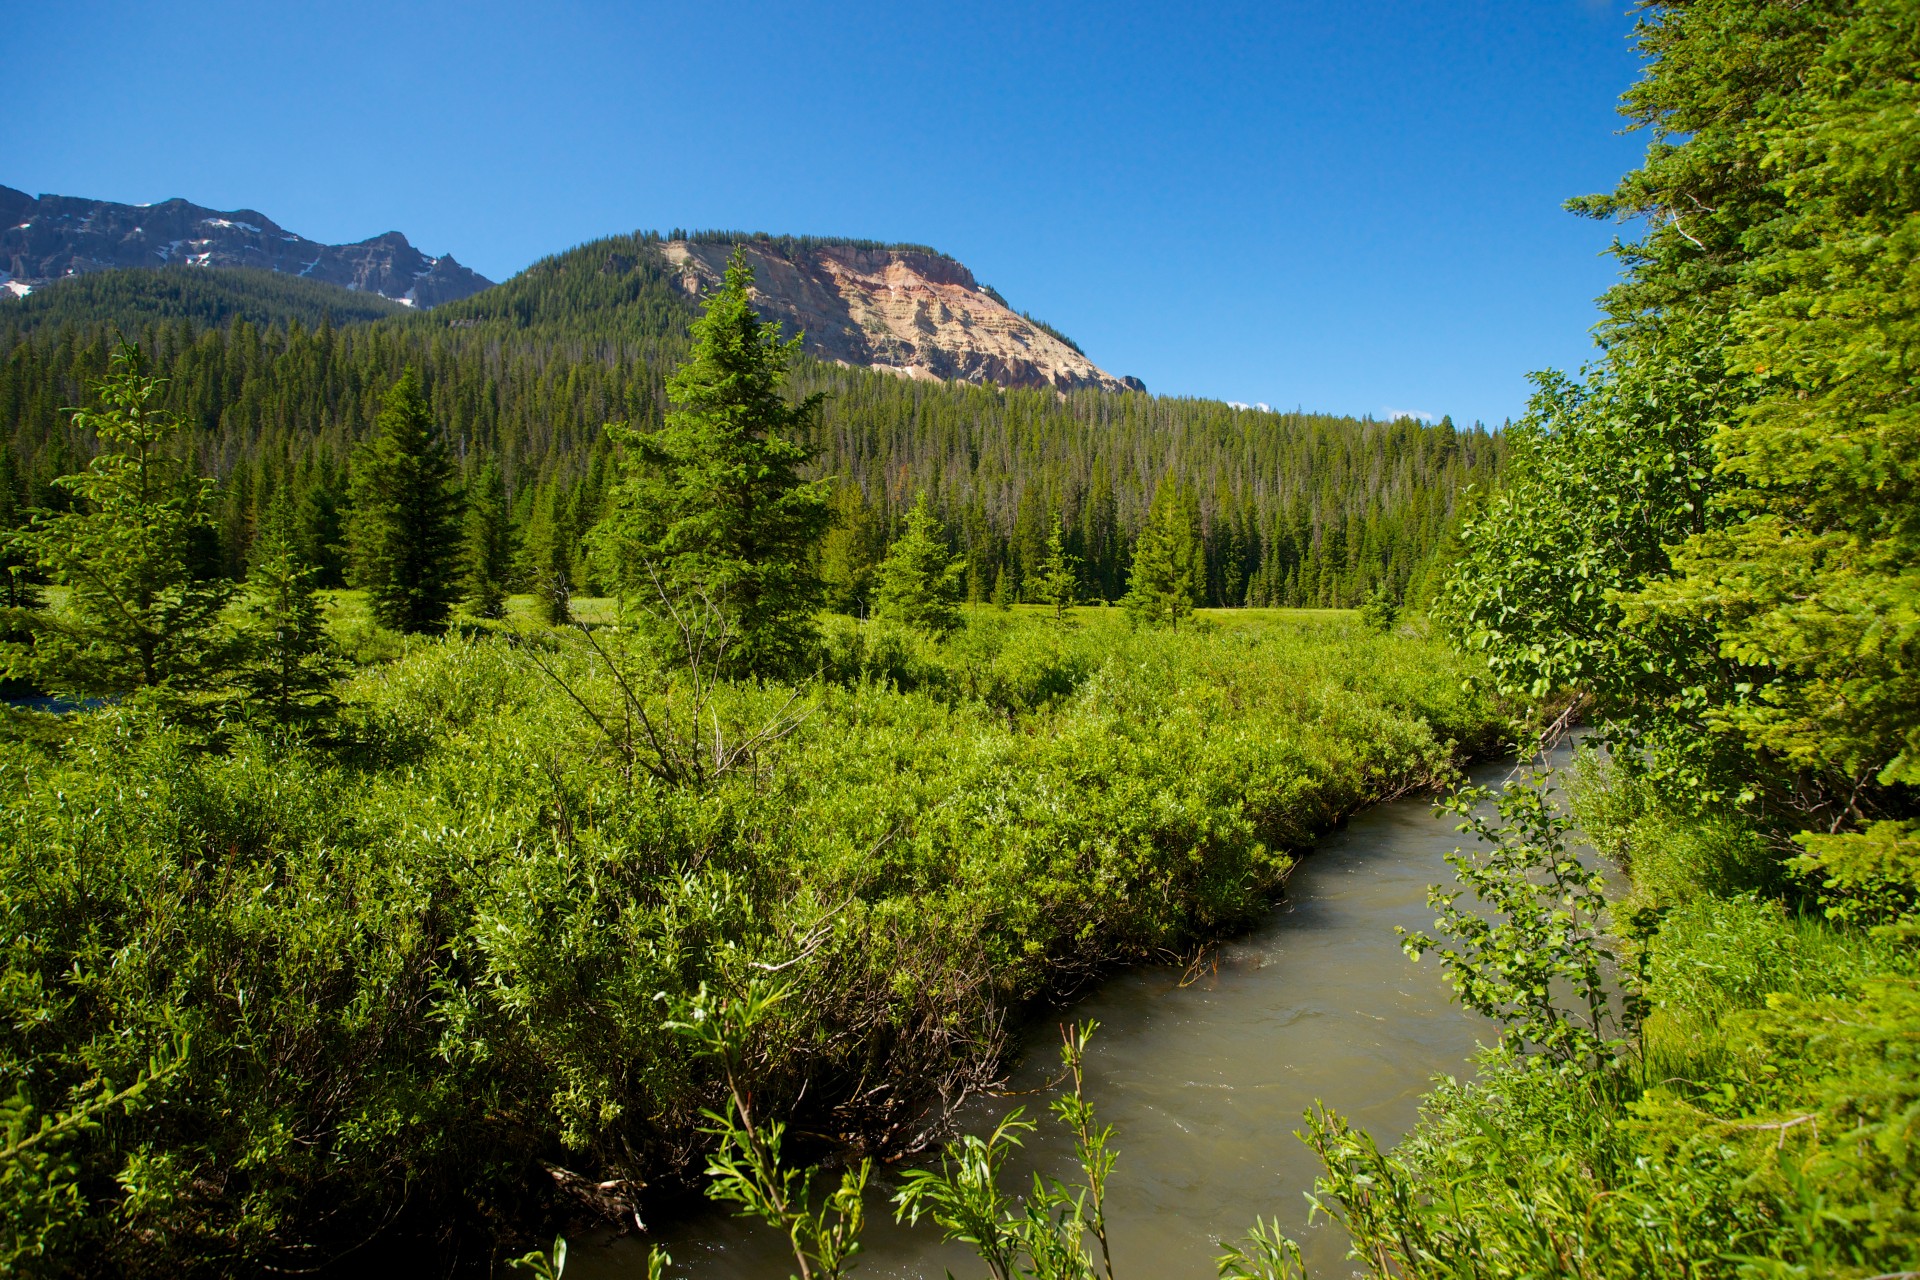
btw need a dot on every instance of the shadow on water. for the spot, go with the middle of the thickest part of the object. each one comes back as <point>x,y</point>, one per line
<point>1205,1083</point>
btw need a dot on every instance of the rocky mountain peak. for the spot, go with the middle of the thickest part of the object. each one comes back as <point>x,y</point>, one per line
<point>899,309</point>
<point>48,238</point>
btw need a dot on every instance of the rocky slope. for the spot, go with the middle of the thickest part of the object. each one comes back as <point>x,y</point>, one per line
<point>46,239</point>
<point>901,310</point>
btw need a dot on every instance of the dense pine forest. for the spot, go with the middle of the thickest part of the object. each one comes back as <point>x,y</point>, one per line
<point>1292,509</point>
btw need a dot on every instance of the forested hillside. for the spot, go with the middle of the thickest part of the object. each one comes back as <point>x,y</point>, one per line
<point>277,383</point>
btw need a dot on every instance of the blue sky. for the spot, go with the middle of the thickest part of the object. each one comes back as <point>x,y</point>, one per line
<point>1351,207</point>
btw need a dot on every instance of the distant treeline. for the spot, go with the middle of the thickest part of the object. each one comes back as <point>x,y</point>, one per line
<point>1295,509</point>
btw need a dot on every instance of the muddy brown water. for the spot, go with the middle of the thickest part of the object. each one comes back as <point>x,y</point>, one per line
<point>1205,1083</point>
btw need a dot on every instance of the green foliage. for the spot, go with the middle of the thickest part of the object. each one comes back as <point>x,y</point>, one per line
<point>131,297</point>
<point>746,1167</point>
<point>1045,1235</point>
<point>851,551</point>
<point>918,584</point>
<point>1534,934</point>
<point>1381,610</point>
<point>288,665</point>
<point>1295,509</point>
<point>1059,582</point>
<point>137,615</point>
<point>406,515</point>
<point>41,1203</point>
<point>423,955</point>
<point>712,502</point>
<point>489,544</point>
<point>1165,582</point>
<point>1713,540</point>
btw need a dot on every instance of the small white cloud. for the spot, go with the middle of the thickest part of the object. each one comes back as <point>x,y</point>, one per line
<point>1421,414</point>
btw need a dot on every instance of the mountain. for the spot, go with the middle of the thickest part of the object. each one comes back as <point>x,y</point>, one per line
<point>54,237</point>
<point>901,309</point>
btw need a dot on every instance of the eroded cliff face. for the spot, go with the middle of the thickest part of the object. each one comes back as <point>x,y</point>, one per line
<point>902,311</point>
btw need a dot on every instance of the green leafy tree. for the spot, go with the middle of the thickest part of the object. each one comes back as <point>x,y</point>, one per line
<point>136,615</point>
<point>1166,577</point>
<point>289,666</point>
<point>1059,581</point>
<point>406,515</point>
<point>712,503</point>
<point>919,582</point>
<point>489,544</point>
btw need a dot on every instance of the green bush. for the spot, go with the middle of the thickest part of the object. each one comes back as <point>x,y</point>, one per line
<point>416,962</point>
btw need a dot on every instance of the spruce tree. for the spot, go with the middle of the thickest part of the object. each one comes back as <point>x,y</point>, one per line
<point>919,582</point>
<point>1002,588</point>
<point>1166,561</point>
<point>713,502</point>
<point>1059,581</point>
<point>851,551</point>
<point>406,516</point>
<point>489,544</point>
<point>553,561</point>
<point>137,614</point>
<point>289,667</point>
<point>322,521</point>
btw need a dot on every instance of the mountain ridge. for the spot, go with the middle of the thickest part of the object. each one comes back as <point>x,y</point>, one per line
<point>53,237</point>
<point>904,309</point>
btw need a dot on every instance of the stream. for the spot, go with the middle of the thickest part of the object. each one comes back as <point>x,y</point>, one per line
<point>1204,1082</point>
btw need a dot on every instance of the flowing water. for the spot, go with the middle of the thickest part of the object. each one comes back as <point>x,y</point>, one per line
<point>1205,1082</point>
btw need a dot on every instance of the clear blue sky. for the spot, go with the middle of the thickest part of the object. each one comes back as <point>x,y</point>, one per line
<point>1352,207</point>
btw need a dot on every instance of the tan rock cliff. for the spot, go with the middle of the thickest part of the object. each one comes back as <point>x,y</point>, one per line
<point>915,314</point>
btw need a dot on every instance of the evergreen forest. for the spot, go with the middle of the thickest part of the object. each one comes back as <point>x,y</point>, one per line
<point>276,390</point>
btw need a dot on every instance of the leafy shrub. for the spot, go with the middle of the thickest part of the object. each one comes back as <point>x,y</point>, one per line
<point>423,969</point>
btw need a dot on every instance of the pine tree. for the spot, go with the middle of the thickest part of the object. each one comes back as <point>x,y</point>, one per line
<point>713,501</point>
<point>489,544</point>
<point>1059,581</point>
<point>553,561</point>
<point>323,522</point>
<point>851,551</point>
<point>919,582</point>
<point>137,616</point>
<point>1381,610</point>
<point>406,516</point>
<point>1166,561</point>
<point>289,666</point>
<point>1003,592</point>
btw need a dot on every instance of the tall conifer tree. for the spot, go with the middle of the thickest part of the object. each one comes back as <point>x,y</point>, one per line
<point>289,667</point>
<point>137,614</point>
<point>919,582</point>
<point>406,516</point>
<point>489,544</point>
<point>1167,566</point>
<point>1059,582</point>
<point>713,501</point>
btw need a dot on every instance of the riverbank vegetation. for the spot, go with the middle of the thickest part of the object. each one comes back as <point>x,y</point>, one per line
<point>338,927</point>
<point>1711,541</point>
